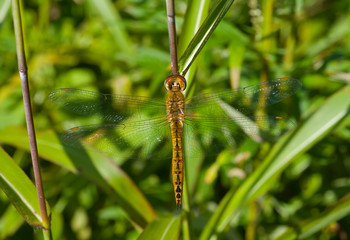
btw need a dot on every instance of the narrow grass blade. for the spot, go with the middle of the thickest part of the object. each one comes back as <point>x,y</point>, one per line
<point>20,190</point>
<point>10,222</point>
<point>110,15</point>
<point>310,226</point>
<point>196,12</point>
<point>203,34</point>
<point>4,9</point>
<point>167,228</point>
<point>93,165</point>
<point>283,153</point>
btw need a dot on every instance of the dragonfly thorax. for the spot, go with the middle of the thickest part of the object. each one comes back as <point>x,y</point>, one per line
<point>175,104</point>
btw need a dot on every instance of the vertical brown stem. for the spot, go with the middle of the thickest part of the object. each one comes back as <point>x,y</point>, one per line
<point>172,35</point>
<point>23,72</point>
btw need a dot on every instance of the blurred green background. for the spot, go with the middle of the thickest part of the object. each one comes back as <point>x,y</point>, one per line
<point>121,47</point>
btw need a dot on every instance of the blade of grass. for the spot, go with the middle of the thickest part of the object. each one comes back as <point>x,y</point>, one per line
<point>91,164</point>
<point>203,34</point>
<point>237,50</point>
<point>283,153</point>
<point>10,222</point>
<point>267,44</point>
<point>4,8</point>
<point>20,190</point>
<point>167,228</point>
<point>309,132</point>
<point>310,226</point>
<point>196,12</point>
<point>110,16</point>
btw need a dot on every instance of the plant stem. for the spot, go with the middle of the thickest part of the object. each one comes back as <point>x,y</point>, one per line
<point>172,35</point>
<point>23,72</point>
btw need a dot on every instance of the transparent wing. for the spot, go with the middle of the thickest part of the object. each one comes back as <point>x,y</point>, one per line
<point>218,119</point>
<point>143,139</point>
<point>223,119</point>
<point>217,134</point>
<point>152,140</point>
<point>109,107</point>
<point>245,100</point>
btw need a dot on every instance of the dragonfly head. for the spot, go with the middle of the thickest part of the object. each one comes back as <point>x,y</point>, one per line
<point>175,83</point>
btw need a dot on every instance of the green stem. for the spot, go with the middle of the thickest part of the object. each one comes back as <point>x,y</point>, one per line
<point>23,72</point>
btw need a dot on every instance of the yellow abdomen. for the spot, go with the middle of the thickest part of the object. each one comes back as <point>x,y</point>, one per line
<point>175,115</point>
<point>177,160</point>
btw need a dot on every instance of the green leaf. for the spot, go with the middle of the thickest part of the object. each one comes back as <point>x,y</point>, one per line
<point>203,34</point>
<point>93,165</point>
<point>10,222</point>
<point>192,21</point>
<point>167,228</point>
<point>20,190</point>
<point>314,128</point>
<point>110,15</point>
<point>310,226</point>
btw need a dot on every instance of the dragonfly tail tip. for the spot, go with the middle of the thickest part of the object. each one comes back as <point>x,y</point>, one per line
<point>178,206</point>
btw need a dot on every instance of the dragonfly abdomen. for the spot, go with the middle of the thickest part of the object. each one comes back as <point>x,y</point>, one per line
<point>177,160</point>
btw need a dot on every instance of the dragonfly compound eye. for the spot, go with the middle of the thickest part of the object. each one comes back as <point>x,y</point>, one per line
<point>175,83</point>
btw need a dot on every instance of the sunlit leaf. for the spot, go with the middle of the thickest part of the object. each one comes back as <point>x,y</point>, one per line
<point>284,152</point>
<point>312,225</point>
<point>93,165</point>
<point>203,34</point>
<point>20,190</point>
<point>165,228</point>
<point>114,23</point>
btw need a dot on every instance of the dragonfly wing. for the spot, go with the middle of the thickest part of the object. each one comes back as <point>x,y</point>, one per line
<point>216,134</point>
<point>110,107</point>
<point>128,139</point>
<point>245,100</point>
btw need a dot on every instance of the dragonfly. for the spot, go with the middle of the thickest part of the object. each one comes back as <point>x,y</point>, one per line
<point>143,125</point>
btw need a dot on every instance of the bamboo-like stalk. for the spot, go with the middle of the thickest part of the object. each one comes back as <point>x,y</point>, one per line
<point>23,72</point>
<point>172,35</point>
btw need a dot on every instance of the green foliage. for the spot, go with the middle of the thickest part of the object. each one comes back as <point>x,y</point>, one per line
<point>20,191</point>
<point>92,165</point>
<point>285,189</point>
<point>164,228</point>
